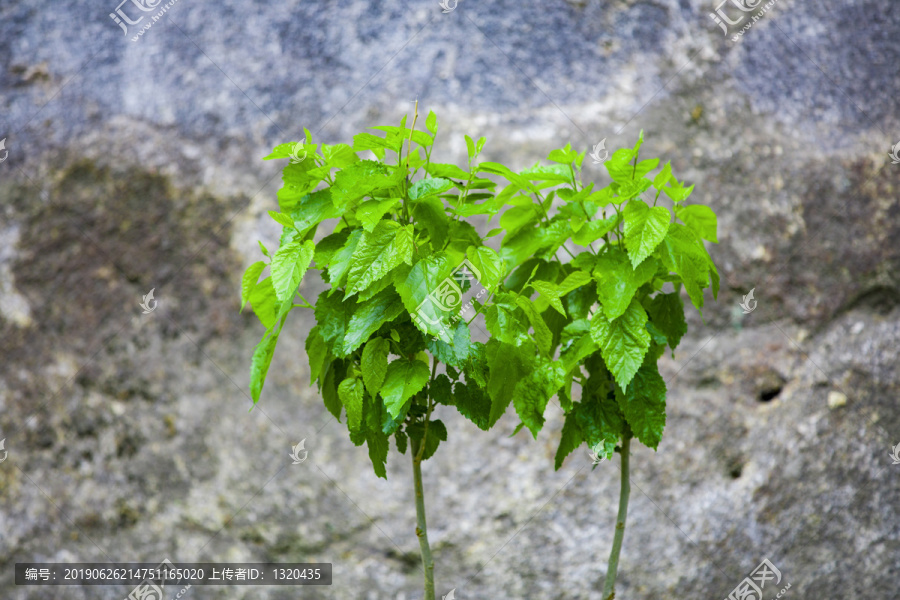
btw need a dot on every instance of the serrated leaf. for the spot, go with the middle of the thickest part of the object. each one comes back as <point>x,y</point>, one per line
<point>311,209</point>
<point>542,334</point>
<point>262,358</point>
<point>601,423</point>
<point>556,173</point>
<point>473,403</point>
<point>369,316</point>
<point>701,219</point>
<point>430,213</point>
<point>378,445</point>
<point>534,391</point>
<point>249,280</point>
<point>507,365</point>
<point>488,263</point>
<point>570,440</point>
<point>350,391</point>
<point>431,122</point>
<point>370,212</point>
<point>578,344</point>
<point>281,218</point>
<point>367,141</point>
<point>428,187</point>
<point>447,170</point>
<point>619,165</point>
<point>643,403</point>
<point>427,296</point>
<point>333,315</point>
<point>676,190</point>
<point>339,265</point>
<point>617,281</point>
<point>264,303</point>
<point>574,281</point>
<point>667,313</point>
<point>404,379</point>
<point>623,342</point>
<point>645,228</point>
<point>592,231</point>
<point>683,252</point>
<point>329,390</point>
<point>437,433</point>
<point>288,267</point>
<point>389,245</point>
<point>316,352</point>
<point>505,320</point>
<point>339,156</point>
<point>663,177</point>
<point>374,363</point>
<point>362,179</point>
<point>263,249</point>
<point>456,351</point>
<point>551,292</point>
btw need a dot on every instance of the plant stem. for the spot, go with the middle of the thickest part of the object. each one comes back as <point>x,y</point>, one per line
<point>609,587</point>
<point>421,527</point>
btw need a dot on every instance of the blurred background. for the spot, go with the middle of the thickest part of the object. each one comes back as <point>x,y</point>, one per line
<point>135,165</point>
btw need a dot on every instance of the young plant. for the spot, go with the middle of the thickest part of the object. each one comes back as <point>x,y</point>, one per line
<point>608,313</point>
<point>388,318</point>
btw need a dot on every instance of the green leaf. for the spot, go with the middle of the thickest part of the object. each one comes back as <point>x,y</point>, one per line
<point>505,320</point>
<point>351,394</point>
<point>427,296</point>
<point>563,155</point>
<point>676,190</point>
<point>339,156</point>
<point>486,265</point>
<point>369,316</point>
<point>339,265</point>
<point>362,179</point>
<point>473,403</point>
<point>574,281</point>
<point>404,379</point>
<point>700,218</point>
<point>333,316</point>
<point>378,445</point>
<point>378,253</point>
<point>263,249</point>
<point>645,228</point>
<point>557,173</point>
<point>328,247</point>
<point>446,170</point>
<point>617,281</point>
<point>643,403</point>
<point>534,241</point>
<point>683,252</point>
<point>374,363</point>
<point>542,334</point>
<point>430,213</point>
<point>367,141</point>
<point>470,147</point>
<point>370,212</point>
<point>455,352</point>
<point>667,314</point>
<point>570,439</point>
<point>282,218</point>
<point>312,209</point>
<point>507,365</point>
<point>619,165</point>
<point>663,177</point>
<point>288,267</point>
<point>283,151</point>
<point>601,423</point>
<point>259,364</point>
<point>329,389</point>
<point>578,344</point>
<point>623,342</point>
<point>401,439</point>
<point>594,230</point>
<point>551,292</point>
<point>428,187</point>
<point>248,281</point>
<point>317,352</point>
<point>437,433</point>
<point>265,304</point>
<point>534,391</point>
<point>431,122</point>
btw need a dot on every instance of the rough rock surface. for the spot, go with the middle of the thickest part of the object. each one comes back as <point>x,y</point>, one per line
<point>135,165</point>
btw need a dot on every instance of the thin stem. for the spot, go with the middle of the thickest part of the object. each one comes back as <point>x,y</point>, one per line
<point>609,586</point>
<point>421,527</point>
